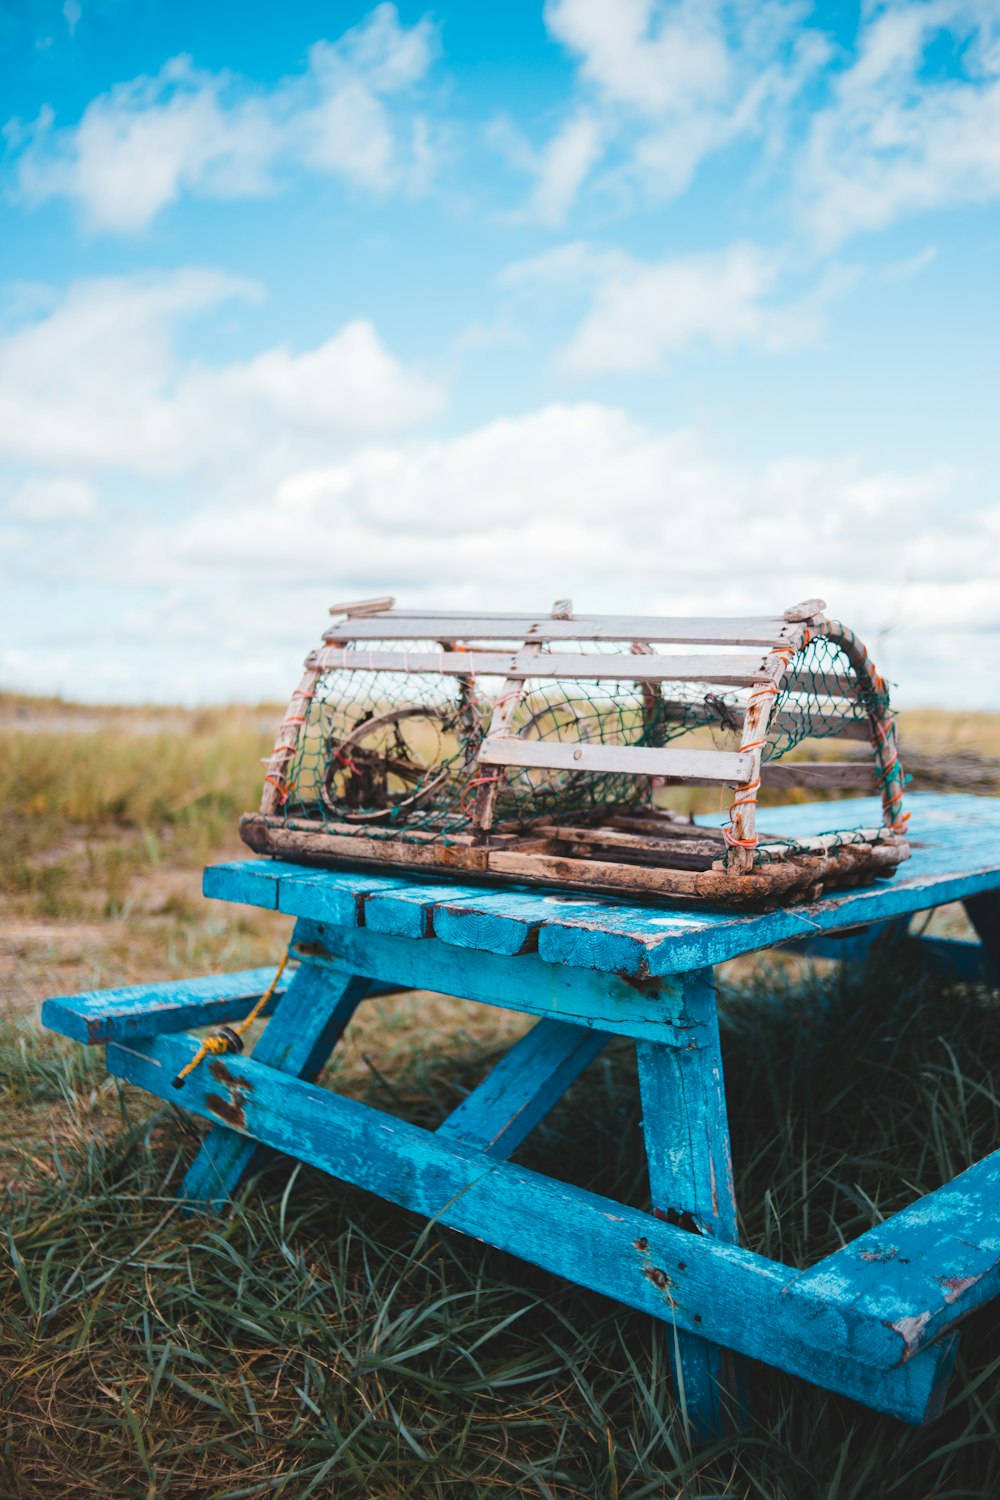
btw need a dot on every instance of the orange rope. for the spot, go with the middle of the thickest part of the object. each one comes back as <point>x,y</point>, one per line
<point>283,792</point>
<point>230,1038</point>
<point>476,781</point>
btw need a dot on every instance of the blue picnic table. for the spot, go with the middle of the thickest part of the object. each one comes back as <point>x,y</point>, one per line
<point>875,1320</point>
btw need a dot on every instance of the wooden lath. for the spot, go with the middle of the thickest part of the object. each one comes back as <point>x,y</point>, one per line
<point>418,625</point>
<point>737,670</point>
<point>622,760</point>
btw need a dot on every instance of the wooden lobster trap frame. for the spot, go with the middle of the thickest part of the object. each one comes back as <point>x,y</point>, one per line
<point>551,736</point>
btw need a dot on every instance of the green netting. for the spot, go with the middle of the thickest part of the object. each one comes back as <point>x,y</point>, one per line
<point>393,754</point>
<point>819,695</point>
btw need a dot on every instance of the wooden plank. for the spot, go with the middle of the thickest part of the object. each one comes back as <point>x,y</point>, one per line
<point>827,842</point>
<point>696,1283</point>
<point>465,916</point>
<point>333,895</point>
<point>503,921</point>
<point>763,885</point>
<point>629,1007</point>
<point>505,707</point>
<point>313,845</point>
<point>147,1009</point>
<point>359,608</point>
<point>491,921</point>
<point>648,821</point>
<point>744,668</point>
<point>568,870</point>
<point>925,1267</point>
<point>250,882</point>
<point>848,775</point>
<point>522,1088</point>
<point>678,856</point>
<point>414,625</point>
<point>686,1135</point>
<point>377,834</point>
<point>664,844</point>
<point>306,1025</point>
<point>710,766</point>
<point>410,912</point>
<point>956,854</point>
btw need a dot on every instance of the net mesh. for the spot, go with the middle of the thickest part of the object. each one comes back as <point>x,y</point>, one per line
<point>819,696</point>
<point>394,753</point>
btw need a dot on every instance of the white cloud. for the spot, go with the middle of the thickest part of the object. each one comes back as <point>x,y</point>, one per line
<point>143,144</point>
<point>97,383</point>
<point>43,498</point>
<point>669,84</point>
<point>654,58</point>
<point>642,312</point>
<point>560,168</point>
<point>896,140</point>
<point>574,500</point>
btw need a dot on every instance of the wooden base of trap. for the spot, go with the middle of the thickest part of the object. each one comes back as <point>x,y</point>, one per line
<point>643,851</point>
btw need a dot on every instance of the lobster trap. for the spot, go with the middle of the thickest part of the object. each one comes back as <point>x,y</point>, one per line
<point>538,748</point>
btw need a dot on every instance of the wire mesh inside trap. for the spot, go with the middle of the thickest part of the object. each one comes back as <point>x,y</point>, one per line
<point>386,753</point>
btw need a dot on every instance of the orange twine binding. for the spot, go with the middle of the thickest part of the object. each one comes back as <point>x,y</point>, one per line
<point>476,781</point>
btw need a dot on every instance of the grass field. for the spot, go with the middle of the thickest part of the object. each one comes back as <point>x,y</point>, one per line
<point>319,1342</point>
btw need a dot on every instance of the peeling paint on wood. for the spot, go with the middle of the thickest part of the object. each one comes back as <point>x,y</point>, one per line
<point>874,1320</point>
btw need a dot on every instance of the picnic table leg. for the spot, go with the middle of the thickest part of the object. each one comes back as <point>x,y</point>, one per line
<point>983,912</point>
<point>686,1132</point>
<point>307,1023</point>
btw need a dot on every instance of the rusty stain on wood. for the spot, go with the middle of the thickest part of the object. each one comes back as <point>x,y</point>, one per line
<point>231,1111</point>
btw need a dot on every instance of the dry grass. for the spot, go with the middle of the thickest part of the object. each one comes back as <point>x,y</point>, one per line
<point>319,1342</point>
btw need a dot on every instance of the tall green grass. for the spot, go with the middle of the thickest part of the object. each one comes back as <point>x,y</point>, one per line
<point>316,1341</point>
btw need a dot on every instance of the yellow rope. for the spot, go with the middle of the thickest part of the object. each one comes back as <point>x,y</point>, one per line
<point>226,1040</point>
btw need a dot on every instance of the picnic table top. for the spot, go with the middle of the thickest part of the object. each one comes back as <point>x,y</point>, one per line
<point>955,839</point>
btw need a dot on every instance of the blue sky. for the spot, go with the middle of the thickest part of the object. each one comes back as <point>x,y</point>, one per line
<point>664,307</point>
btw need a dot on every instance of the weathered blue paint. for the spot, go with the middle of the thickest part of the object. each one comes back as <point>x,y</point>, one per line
<point>652,1008</point>
<point>956,856</point>
<point>408,912</point>
<point>694,1282</point>
<point>297,1041</point>
<point>873,1320</point>
<point>523,1086</point>
<point>923,1268</point>
<point>473,916</point>
<point>249,882</point>
<point>507,921</point>
<point>855,945</point>
<point>686,1134</point>
<point>147,1009</point>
